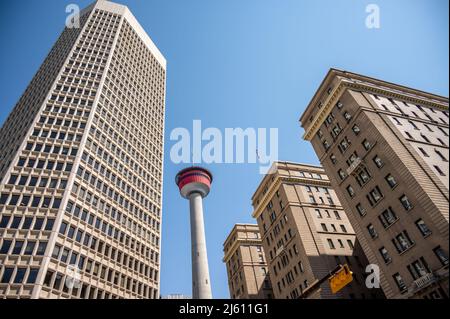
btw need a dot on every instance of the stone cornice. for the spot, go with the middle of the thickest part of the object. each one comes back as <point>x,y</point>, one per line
<point>285,180</point>
<point>344,84</point>
<point>237,243</point>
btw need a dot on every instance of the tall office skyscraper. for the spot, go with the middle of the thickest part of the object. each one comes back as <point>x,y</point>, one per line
<point>385,148</point>
<point>81,159</point>
<point>306,233</point>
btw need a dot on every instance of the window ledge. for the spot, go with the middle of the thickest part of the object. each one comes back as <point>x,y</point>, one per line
<point>408,249</point>
<point>427,235</point>
<point>394,222</point>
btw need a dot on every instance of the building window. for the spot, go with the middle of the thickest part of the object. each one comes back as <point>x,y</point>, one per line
<point>423,228</point>
<point>318,213</point>
<point>324,227</point>
<point>331,244</point>
<point>391,181</point>
<point>418,268</point>
<point>65,255</point>
<point>372,232</point>
<point>441,255</point>
<point>344,144</point>
<point>4,221</point>
<point>438,169</point>
<point>400,282</point>
<point>329,119</point>
<point>402,242</point>
<point>23,180</point>
<point>13,179</point>
<point>385,254</point>
<point>300,267</point>
<point>16,222</point>
<point>362,212</point>
<point>336,214</point>
<point>413,125</point>
<point>326,145</point>
<point>354,157</point>
<point>424,153</point>
<point>17,247</point>
<point>48,278</point>
<point>344,230</point>
<point>378,162</point>
<point>363,177</point>
<point>5,246</point>
<point>342,174</point>
<point>41,248</point>
<point>350,191</point>
<point>25,200</point>
<point>33,181</point>
<point>273,216</point>
<point>388,217</point>
<point>375,196</point>
<point>356,129</point>
<point>336,130</point>
<point>56,203</point>
<point>350,244</point>
<point>56,251</point>
<point>4,199</point>
<point>333,158</point>
<point>21,162</point>
<point>347,116</point>
<point>405,202</point>
<point>20,274</point>
<point>425,138</point>
<point>32,275</point>
<point>29,248</point>
<point>36,201</point>
<point>366,145</point>
<point>443,158</point>
<point>7,274</point>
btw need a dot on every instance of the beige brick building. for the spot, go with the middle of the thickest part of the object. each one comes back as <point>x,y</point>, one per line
<point>81,166</point>
<point>306,233</point>
<point>246,264</point>
<point>385,148</point>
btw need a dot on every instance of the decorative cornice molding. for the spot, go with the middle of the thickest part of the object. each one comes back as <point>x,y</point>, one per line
<point>237,243</point>
<point>344,84</point>
<point>285,180</point>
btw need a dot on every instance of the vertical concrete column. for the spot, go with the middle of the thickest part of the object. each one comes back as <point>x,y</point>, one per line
<point>201,287</point>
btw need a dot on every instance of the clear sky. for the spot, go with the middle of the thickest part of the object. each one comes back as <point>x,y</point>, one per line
<point>242,63</point>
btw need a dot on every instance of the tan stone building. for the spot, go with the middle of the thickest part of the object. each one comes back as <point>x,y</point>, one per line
<point>81,166</point>
<point>385,148</point>
<point>306,233</point>
<point>246,264</point>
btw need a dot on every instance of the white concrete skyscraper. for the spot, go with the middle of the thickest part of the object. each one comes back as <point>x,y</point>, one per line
<point>81,159</point>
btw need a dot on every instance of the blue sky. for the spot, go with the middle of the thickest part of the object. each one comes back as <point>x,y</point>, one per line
<point>234,63</point>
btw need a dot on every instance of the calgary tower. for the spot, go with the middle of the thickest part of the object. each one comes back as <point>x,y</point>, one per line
<point>194,184</point>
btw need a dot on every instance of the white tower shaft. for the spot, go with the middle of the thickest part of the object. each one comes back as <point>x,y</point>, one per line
<point>201,288</point>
